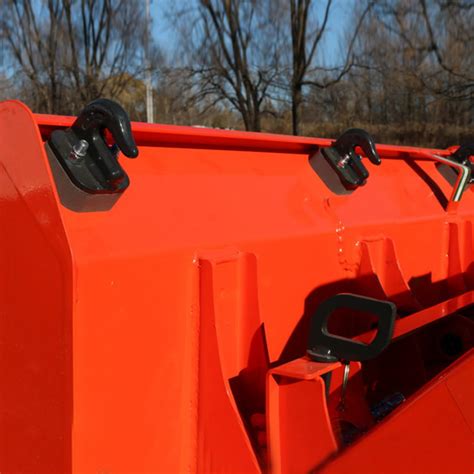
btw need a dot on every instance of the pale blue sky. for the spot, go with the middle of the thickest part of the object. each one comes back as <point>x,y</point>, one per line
<point>338,23</point>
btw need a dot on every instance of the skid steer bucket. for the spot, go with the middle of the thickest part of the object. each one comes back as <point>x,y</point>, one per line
<point>177,299</point>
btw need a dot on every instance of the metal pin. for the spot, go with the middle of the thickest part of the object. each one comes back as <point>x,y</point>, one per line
<point>79,150</point>
<point>345,379</point>
<point>343,161</point>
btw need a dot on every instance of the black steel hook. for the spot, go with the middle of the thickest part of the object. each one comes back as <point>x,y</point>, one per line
<point>353,137</point>
<point>84,153</point>
<point>462,155</point>
<point>106,114</point>
<point>346,162</point>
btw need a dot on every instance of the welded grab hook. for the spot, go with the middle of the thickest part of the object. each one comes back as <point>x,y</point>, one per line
<point>462,154</point>
<point>84,153</point>
<point>346,162</point>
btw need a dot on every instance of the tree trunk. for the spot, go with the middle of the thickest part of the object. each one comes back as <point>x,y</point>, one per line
<point>256,126</point>
<point>296,98</point>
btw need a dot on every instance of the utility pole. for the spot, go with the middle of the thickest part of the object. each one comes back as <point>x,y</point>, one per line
<point>149,90</point>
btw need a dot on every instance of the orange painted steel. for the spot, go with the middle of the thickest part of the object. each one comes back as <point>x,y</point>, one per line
<point>167,332</point>
<point>431,433</point>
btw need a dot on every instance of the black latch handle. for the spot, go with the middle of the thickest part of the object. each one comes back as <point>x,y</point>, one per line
<point>326,347</point>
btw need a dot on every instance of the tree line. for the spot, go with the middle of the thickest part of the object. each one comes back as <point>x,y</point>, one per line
<point>405,70</point>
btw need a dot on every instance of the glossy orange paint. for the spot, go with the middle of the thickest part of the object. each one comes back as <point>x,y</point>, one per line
<point>432,432</point>
<point>146,337</point>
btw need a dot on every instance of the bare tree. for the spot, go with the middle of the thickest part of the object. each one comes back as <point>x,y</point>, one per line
<point>398,87</point>
<point>70,52</point>
<point>104,39</point>
<point>235,59</point>
<point>440,37</point>
<point>404,71</point>
<point>304,48</point>
<point>35,45</point>
<point>305,41</point>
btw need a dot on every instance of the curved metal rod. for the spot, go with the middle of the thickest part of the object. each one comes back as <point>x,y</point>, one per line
<point>464,174</point>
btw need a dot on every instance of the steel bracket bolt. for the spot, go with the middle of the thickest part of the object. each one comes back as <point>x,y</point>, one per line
<point>344,160</point>
<point>79,150</point>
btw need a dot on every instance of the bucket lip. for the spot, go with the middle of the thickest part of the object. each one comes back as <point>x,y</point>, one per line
<point>147,134</point>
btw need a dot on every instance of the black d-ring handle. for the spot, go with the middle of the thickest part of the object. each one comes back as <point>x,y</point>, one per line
<point>326,347</point>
